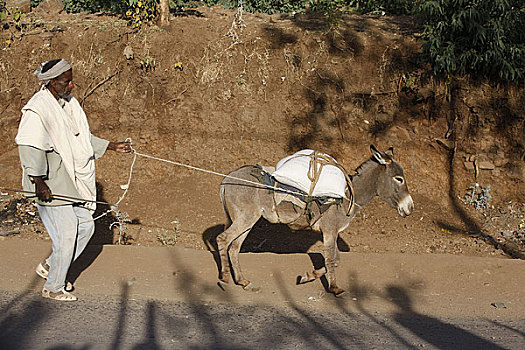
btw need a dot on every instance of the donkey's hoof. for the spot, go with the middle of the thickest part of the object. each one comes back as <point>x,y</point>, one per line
<point>305,278</point>
<point>337,291</point>
<point>251,288</point>
<point>223,284</point>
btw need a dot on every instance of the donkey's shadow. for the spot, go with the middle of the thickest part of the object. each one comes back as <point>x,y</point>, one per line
<point>265,237</point>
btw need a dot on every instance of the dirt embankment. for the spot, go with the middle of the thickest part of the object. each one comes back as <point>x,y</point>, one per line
<point>218,91</point>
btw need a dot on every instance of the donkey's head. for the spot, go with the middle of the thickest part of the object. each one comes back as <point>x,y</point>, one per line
<point>391,183</point>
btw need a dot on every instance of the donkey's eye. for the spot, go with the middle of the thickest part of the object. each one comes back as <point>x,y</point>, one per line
<point>399,179</point>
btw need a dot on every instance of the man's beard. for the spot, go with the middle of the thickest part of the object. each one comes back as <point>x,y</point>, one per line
<point>65,95</point>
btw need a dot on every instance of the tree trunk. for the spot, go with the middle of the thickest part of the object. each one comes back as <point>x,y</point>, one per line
<point>164,13</point>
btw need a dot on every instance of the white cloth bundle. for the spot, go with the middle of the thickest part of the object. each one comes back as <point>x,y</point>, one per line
<point>293,171</point>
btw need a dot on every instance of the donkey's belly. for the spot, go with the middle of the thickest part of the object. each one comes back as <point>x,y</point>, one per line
<point>289,214</point>
<point>299,224</point>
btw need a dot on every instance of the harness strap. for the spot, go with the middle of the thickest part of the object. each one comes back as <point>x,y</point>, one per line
<point>314,172</point>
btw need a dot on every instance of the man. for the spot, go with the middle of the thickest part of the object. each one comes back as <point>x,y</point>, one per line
<point>57,152</point>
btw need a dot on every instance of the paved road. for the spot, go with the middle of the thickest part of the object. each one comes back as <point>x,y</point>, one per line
<point>29,322</point>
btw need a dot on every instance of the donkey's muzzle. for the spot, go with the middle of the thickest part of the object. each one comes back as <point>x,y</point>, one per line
<point>405,206</point>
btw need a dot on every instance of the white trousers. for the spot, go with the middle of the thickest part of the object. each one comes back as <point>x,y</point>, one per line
<point>70,228</point>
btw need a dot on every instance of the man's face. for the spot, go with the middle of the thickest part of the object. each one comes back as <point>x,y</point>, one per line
<point>63,84</point>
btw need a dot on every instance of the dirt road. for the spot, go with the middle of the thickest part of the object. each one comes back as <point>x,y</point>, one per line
<point>405,297</point>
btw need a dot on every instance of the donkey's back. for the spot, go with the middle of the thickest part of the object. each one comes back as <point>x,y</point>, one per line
<point>244,197</point>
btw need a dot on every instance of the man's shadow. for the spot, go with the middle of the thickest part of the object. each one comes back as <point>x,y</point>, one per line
<point>103,235</point>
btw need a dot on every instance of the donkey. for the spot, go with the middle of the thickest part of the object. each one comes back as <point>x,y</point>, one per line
<point>245,204</point>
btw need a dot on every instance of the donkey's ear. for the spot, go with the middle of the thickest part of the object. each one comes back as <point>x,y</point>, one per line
<point>377,155</point>
<point>390,152</point>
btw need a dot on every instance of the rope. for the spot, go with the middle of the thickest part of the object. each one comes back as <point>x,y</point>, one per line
<point>317,157</point>
<point>112,209</point>
<point>256,184</point>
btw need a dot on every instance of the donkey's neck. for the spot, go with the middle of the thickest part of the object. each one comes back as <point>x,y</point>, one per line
<point>365,182</point>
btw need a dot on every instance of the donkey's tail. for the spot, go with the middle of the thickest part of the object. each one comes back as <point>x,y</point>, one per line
<point>222,190</point>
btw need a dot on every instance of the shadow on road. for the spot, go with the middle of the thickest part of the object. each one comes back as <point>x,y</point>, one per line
<point>28,321</point>
<point>121,324</point>
<point>83,262</point>
<point>14,325</point>
<point>433,331</point>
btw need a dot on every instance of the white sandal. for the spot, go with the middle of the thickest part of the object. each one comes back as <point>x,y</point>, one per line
<point>43,271</point>
<point>61,295</point>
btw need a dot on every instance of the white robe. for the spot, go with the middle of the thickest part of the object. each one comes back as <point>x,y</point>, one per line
<point>64,130</point>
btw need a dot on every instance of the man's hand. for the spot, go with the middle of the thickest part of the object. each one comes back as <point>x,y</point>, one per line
<point>122,147</point>
<point>43,192</point>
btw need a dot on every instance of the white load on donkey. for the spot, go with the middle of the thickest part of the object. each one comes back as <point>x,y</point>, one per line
<point>305,178</point>
<point>315,173</point>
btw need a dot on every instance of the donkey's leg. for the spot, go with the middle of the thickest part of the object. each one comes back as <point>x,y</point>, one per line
<point>315,274</point>
<point>224,241</point>
<point>234,256</point>
<point>330,245</point>
<point>337,255</point>
<point>235,248</point>
<point>312,276</point>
